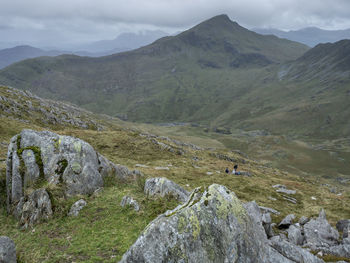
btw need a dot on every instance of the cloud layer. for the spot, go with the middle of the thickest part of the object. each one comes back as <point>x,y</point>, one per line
<point>52,21</point>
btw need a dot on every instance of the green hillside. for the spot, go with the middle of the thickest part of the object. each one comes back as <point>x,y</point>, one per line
<point>174,79</point>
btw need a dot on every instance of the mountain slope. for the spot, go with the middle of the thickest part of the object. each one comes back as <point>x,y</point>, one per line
<point>310,36</point>
<point>174,78</point>
<point>18,53</point>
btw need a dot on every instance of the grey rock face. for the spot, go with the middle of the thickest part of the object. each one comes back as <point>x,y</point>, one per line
<point>35,157</point>
<point>266,222</point>
<point>7,250</point>
<point>76,207</point>
<point>161,186</point>
<point>339,251</point>
<point>287,221</point>
<point>294,235</point>
<point>212,226</point>
<point>127,200</point>
<point>34,208</point>
<point>319,233</point>
<point>293,252</point>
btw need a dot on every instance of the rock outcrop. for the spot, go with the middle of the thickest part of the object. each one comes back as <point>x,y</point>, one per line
<point>39,159</point>
<point>7,250</point>
<point>211,226</point>
<point>319,233</point>
<point>160,186</point>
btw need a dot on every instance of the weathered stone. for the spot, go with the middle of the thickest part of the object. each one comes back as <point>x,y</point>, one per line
<point>287,221</point>
<point>319,233</point>
<point>7,250</point>
<point>341,224</point>
<point>127,200</point>
<point>269,210</point>
<point>295,236</point>
<point>266,222</point>
<point>209,227</point>
<point>286,191</point>
<point>33,209</point>
<point>339,251</point>
<point>161,186</point>
<point>303,220</point>
<point>293,252</point>
<point>35,158</point>
<point>76,207</point>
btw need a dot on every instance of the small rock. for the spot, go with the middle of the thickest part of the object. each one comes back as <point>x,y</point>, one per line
<point>295,236</point>
<point>313,198</point>
<point>127,200</point>
<point>269,210</point>
<point>7,250</point>
<point>341,224</point>
<point>76,207</point>
<point>303,220</point>
<point>209,173</point>
<point>161,168</point>
<point>287,221</point>
<point>272,198</point>
<point>286,191</point>
<point>141,165</point>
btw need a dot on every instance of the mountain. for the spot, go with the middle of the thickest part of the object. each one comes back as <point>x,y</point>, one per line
<point>217,73</point>
<point>125,41</point>
<point>18,53</point>
<point>310,36</point>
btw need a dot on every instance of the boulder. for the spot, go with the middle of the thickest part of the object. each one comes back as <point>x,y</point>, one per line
<point>37,158</point>
<point>342,251</point>
<point>294,235</point>
<point>7,250</point>
<point>161,186</point>
<point>319,233</point>
<point>293,252</point>
<point>211,226</point>
<point>287,221</point>
<point>267,224</point>
<point>76,207</point>
<point>34,208</point>
<point>127,200</point>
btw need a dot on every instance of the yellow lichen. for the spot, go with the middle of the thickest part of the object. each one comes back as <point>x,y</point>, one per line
<point>77,147</point>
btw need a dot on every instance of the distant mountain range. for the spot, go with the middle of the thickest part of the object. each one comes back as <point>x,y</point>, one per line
<point>216,73</point>
<point>124,42</point>
<point>310,36</point>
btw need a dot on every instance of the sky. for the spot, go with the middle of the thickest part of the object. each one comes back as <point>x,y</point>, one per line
<point>59,23</point>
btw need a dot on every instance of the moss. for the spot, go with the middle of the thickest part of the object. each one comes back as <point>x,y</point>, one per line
<point>57,143</point>
<point>196,228</point>
<point>77,147</point>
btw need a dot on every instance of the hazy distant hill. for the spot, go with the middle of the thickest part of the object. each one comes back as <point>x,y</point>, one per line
<point>124,42</point>
<point>310,36</point>
<point>216,73</point>
<point>18,53</point>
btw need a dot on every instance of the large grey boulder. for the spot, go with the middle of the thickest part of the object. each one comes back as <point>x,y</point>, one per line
<point>319,233</point>
<point>339,251</point>
<point>161,186</point>
<point>342,224</point>
<point>33,208</point>
<point>37,158</point>
<point>211,226</point>
<point>293,252</point>
<point>7,250</point>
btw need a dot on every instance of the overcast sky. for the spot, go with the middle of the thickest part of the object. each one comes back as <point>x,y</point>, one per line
<point>55,22</point>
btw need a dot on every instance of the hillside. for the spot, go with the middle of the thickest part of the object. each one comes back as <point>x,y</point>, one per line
<point>104,230</point>
<point>176,78</point>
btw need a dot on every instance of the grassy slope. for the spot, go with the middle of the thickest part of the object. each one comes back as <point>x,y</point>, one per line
<point>104,230</point>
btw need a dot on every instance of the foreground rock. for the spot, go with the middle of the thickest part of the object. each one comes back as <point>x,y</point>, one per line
<point>35,159</point>
<point>319,233</point>
<point>161,186</point>
<point>211,226</point>
<point>7,250</point>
